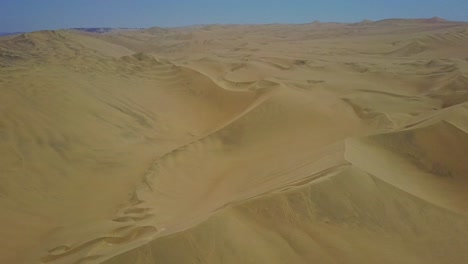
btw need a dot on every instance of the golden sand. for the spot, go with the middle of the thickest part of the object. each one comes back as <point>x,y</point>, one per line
<point>313,143</point>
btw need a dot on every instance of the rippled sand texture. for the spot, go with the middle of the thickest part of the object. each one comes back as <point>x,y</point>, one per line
<point>313,143</point>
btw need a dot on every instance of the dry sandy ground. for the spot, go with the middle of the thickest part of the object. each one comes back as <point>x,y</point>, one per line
<point>313,143</point>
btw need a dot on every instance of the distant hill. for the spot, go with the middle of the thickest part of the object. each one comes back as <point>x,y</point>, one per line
<point>433,20</point>
<point>101,30</point>
<point>95,30</point>
<point>9,33</point>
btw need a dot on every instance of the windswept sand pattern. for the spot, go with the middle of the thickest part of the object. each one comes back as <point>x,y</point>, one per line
<point>311,143</point>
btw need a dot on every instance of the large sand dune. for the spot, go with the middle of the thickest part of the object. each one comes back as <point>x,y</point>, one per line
<point>312,143</point>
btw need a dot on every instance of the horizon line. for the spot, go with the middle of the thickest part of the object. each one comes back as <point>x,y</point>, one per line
<point>441,20</point>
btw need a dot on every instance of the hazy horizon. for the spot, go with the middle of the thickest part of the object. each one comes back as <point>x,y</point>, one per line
<point>28,15</point>
<point>194,25</point>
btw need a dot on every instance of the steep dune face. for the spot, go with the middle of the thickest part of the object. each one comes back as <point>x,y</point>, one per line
<point>430,161</point>
<point>346,217</point>
<point>327,143</point>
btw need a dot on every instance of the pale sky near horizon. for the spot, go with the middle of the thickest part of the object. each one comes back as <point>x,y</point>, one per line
<point>31,15</point>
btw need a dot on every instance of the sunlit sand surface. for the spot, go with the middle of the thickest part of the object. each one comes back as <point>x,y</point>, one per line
<point>312,143</point>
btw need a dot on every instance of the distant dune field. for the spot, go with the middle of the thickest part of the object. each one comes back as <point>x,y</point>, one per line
<point>312,143</point>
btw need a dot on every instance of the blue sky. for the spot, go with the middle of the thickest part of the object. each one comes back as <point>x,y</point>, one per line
<point>30,15</point>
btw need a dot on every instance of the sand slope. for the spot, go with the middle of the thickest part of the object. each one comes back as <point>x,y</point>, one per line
<point>321,142</point>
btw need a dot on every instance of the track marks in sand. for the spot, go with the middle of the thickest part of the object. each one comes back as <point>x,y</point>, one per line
<point>64,254</point>
<point>132,227</point>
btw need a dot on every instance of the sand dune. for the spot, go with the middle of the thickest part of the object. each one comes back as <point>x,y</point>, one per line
<point>320,142</point>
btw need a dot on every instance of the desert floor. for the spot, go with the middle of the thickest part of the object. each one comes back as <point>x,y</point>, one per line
<point>312,143</point>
